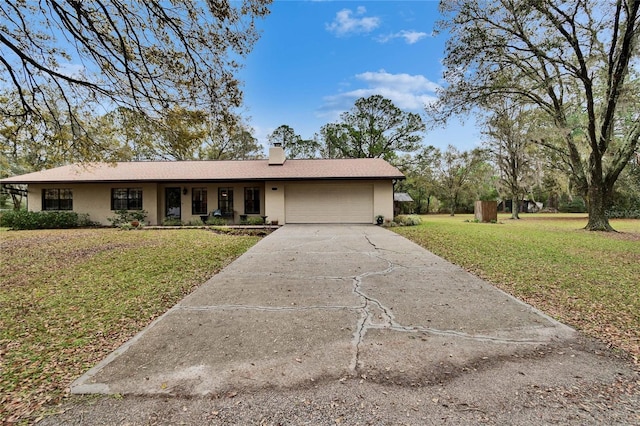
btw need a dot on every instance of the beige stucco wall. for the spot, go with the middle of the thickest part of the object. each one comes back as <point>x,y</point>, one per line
<point>95,199</point>
<point>274,201</point>
<point>383,198</point>
<point>275,195</point>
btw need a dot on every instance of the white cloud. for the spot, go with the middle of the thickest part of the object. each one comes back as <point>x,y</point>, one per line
<point>346,22</point>
<point>410,37</point>
<point>400,82</point>
<point>407,92</point>
<point>71,70</point>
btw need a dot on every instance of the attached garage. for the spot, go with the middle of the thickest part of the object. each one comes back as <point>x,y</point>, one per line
<point>347,202</point>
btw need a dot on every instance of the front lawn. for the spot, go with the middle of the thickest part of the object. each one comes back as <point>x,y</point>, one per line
<point>70,297</point>
<point>589,280</point>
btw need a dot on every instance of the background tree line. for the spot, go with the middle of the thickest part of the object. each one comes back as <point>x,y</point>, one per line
<point>509,166</point>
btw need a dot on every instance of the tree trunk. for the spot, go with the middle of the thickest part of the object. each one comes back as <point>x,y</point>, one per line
<point>16,199</point>
<point>598,220</point>
<point>515,208</point>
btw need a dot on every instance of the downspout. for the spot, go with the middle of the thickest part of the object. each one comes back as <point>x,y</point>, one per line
<point>393,198</point>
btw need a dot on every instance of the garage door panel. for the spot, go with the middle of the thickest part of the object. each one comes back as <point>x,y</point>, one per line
<point>329,203</point>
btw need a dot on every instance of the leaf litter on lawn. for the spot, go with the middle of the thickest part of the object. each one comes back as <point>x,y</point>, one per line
<point>588,280</point>
<point>70,297</point>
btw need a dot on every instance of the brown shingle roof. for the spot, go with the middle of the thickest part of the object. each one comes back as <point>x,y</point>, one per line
<point>356,168</point>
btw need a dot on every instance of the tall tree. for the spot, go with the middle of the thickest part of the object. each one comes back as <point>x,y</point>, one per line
<point>373,128</point>
<point>181,134</point>
<point>234,142</point>
<point>455,171</point>
<point>571,59</point>
<point>28,145</point>
<point>293,144</point>
<point>508,144</point>
<point>176,134</point>
<point>133,131</point>
<point>627,191</point>
<point>421,183</point>
<point>148,56</point>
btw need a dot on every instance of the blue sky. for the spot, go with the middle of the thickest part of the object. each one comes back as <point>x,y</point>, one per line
<point>315,58</point>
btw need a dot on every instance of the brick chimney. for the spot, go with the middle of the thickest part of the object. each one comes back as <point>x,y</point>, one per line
<point>276,155</point>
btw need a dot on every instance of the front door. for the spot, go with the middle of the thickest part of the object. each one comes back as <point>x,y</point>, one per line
<point>225,201</point>
<point>172,203</point>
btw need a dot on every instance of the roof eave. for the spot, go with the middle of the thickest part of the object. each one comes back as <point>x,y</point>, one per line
<point>181,180</point>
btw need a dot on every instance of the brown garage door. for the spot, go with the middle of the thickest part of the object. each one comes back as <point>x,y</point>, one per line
<point>329,203</point>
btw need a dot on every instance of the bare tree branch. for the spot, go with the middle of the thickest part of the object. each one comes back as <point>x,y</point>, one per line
<point>144,55</point>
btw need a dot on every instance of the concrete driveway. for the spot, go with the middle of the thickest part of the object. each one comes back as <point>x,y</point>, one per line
<point>315,302</point>
<point>354,325</point>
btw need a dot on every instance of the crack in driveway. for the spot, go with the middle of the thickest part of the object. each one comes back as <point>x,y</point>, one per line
<point>366,319</point>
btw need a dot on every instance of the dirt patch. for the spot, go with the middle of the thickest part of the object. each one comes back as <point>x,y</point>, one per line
<point>489,398</point>
<point>252,232</point>
<point>554,217</point>
<point>624,236</point>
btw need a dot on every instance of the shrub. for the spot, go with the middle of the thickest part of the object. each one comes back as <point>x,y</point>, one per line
<point>400,219</point>
<point>217,221</point>
<point>123,217</point>
<point>254,220</point>
<point>408,220</point>
<point>172,221</point>
<point>576,205</point>
<point>18,219</point>
<point>23,219</point>
<point>84,221</point>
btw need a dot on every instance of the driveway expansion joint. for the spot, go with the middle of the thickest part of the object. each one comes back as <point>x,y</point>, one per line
<point>264,308</point>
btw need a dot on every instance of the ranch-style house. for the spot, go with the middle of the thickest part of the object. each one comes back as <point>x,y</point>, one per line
<point>276,189</point>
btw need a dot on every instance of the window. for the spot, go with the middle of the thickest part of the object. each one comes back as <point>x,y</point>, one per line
<point>225,201</point>
<point>57,199</point>
<point>126,199</point>
<point>198,200</point>
<point>252,201</point>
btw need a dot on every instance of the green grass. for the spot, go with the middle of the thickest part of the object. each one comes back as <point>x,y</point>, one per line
<point>589,280</point>
<point>70,297</point>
